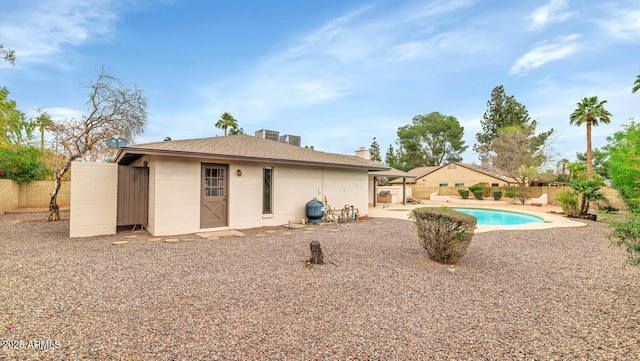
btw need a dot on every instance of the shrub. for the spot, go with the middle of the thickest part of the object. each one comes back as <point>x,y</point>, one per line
<point>627,235</point>
<point>497,195</point>
<point>464,194</point>
<point>476,187</point>
<point>569,202</point>
<point>510,194</point>
<point>478,194</point>
<point>21,163</point>
<point>444,233</point>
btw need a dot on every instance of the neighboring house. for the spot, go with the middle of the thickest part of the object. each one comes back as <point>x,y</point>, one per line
<point>416,173</point>
<point>453,175</point>
<point>228,182</point>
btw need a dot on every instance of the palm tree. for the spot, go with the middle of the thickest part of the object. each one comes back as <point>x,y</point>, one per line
<point>591,112</point>
<point>636,85</point>
<point>226,121</point>
<point>44,122</point>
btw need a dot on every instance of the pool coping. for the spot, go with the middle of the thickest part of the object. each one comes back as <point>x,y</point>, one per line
<point>551,220</point>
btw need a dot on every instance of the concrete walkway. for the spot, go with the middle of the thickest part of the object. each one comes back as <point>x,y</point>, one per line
<point>551,220</point>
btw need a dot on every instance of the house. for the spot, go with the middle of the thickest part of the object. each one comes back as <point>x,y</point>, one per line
<point>229,182</point>
<point>446,179</point>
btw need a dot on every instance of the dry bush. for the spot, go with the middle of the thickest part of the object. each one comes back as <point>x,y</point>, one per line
<point>444,233</point>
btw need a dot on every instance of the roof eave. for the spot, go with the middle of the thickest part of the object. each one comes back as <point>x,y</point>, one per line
<point>142,151</point>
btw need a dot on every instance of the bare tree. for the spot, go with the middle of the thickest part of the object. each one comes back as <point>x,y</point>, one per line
<point>519,154</point>
<point>112,109</point>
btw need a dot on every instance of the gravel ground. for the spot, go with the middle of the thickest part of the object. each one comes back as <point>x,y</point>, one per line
<point>543,295</point>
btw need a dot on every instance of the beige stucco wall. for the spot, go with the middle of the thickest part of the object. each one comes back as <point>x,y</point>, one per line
<point>36,194</point>
<point>30,195</point>
<point>93,199</point>
<point>456,174</point>
<point>174,195</point>
<point>174,187</point>
<point>9,195</point>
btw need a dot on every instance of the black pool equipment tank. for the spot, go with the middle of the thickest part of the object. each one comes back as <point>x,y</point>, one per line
<point>315,211</point>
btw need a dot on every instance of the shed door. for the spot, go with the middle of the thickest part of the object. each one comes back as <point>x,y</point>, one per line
<point>213,196</point>
<point>133,195</point>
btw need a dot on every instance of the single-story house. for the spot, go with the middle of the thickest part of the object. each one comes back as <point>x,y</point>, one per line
<point>227,182</point>
<point>453,175</point>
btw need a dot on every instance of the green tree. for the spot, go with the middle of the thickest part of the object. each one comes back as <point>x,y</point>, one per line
<point>623,149</point>
<point>431,139</point>
<point>226,121</point>
<point>599,160</point>
<point>236,131</point>
<point>624,167</point>
<point>390,157</point>
<point>8,55</point>
<point>44,123</point>
<point>514,154</point>
<point>590,112</point>
<point>374,151</point>
<point>502,111</point>
<point>587,191</point>
<point>636,85</point>
<point>14,127</point>
<point>21,163</point>
<point>562,169</point>
<point>113,108</point>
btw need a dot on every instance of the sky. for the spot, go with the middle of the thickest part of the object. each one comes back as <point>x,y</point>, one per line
<point>335,72</point>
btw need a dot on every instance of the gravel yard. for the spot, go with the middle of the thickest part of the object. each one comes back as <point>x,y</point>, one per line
<point>526,295</point>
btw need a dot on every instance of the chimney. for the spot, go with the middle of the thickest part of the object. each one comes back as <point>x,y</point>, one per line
<point>363,153</point>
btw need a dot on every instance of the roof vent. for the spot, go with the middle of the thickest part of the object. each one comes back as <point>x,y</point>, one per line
<point>268,134</point>
<point>290,139</point>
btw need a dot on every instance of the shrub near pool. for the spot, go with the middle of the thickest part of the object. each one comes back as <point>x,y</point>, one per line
<point>444,233</point>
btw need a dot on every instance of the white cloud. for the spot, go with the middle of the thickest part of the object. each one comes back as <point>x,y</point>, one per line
<point>553,12</point>
<point>340,57</point>
<point>58,114</point>
<point>39,31</point>
<point>622,24</point>
<point>545,52</point>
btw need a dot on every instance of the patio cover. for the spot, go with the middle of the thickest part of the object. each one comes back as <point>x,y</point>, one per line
<point>394,173</point>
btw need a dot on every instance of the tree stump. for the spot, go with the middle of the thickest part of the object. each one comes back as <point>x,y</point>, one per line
<point>316,253</point>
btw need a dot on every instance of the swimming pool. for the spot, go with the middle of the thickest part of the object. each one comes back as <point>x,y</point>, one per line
<point>495,217</point>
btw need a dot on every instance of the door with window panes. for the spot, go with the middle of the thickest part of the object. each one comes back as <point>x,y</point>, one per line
<point>213,196</point>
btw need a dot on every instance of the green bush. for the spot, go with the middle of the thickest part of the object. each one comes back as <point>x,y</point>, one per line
<point>21,163</point>
<point>627,235</point>
<point>510,194</point>
<point>569,202</point>
<point>464,194</point>
<point>444,233</point>
<point>478,194</point>
<point>497,195</point>
<point>476,187</point>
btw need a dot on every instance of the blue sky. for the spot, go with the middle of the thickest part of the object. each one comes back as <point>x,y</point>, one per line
<point>335,72</point>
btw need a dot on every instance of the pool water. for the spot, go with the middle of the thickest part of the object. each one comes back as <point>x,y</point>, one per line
<point>494,217</point>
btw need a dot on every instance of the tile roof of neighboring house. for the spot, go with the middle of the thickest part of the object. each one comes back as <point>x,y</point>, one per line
<point>391,173</point>
<point>245,147</point>
<point>417,173</point>
<point>421,172</point>
<point>490,172</point>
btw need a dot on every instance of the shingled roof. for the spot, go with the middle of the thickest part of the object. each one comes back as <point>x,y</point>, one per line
<point>245,147</point>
